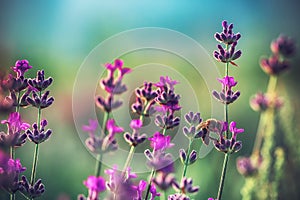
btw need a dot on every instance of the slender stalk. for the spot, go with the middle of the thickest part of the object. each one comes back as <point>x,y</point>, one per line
<point>34,164</point>
<point>226,157</point>
<point>99,156</point>
<point>36,150</point>
<point>163,195</point>
<point>129,159</point>
<point>222,179</point>
<point>187,159</point>
<point>263,117</point>
<point>149,183</point>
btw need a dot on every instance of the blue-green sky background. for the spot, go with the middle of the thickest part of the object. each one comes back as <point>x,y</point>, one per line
<point>58,35</point>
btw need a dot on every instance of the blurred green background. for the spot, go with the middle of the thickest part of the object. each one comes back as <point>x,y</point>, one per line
<point>58,35</point>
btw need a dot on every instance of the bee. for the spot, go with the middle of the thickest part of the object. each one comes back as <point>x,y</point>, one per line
<point>212,125</point>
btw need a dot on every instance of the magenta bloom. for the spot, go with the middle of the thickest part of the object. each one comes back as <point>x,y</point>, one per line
<point>159,141</point>
<point>166,82</point>
<point>235,130</point>
<point>112,128</point>
<point>95,186</point>
<point>21,67</point>
<point>153,192</point>
<point>273,65</point>
<point>136,124</point>
<point>91,127</point>
<point>228,82</point>
<point>14,123</point>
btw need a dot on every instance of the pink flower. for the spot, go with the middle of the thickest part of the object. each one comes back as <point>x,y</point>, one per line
<point>95,186</point>
<point>235,130</point>
<point>112,128</point>
<point>14,123</point>
<point>91,127</point>
<point>159,141</point>
<point>136,124</point>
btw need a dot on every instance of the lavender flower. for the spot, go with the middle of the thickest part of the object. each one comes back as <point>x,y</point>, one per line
<point>153,192</point>
<point>185,186</point>
<point>140,189</point>
<point>40,101</point>
<point>135,138</point>
<point>95,185</point>
<point>163,180</point>
<point>178,196</point>
<point>40,83</point>
<point>144,100</point>
<point>227,96</point>
<point>160,161</point>
<point>21,67</point>
<point>39,135</point>
<point>91,127</point>
<point>227,36</point>
<point>191,158</point>
<point>160,142</point>
<point>122,187</point>
<point>273,65</point>
<point>14,136</point>
<point>284,46</point>
<point>112,85</point>
<point>228,145</point>
<point>31,191</point>
<point>259,102</point>
<point>248,166</point>
<point>10,170</point>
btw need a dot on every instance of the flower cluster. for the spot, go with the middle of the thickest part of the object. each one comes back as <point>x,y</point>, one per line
<point>112,85</point>
<point>24,92</point>
<point>282,48</point>
<point>229,39</point>
<point>262,102</point>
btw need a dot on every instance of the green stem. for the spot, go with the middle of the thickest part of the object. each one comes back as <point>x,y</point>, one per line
<point>272,84</point>
<point>186,163</point>
<point>36,150</point>
<point>163,195</point>
<point>34,164</point>
<point>149,183</point>
<point>129,158</point>
<point>12,196</point>
<point>99,156</point>
<point>222,179</point>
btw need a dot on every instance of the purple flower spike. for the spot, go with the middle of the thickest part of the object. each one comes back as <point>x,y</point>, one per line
<point>160,142</point>
<point>227,96</point>
<point>112,128</point>
<point>153,192</point>
<point>91,127</point>
<point>166,82</point>
<point>235,130</point>
<point>140,189</point>
<point>39,135</point>
<point>178,196</point>
<point>135,138</point>
<point>273,65</point>
<point>163,180</point>
<point>227,36</point>
<point>9,173</point>
<point>284,46</point>
<point>40,102</point>
<point>31,191</point>
<point>21,67</point>
<point>40,83</point>
<point>248,166</point>
<point>185,186</point>
<point>95,185</point>
<point>227,56</point>
<point>15,123</point>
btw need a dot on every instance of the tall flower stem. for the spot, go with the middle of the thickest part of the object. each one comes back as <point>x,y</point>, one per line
<point>36,150</point>
<point>99,156</point>
<point>222,179</point>
<point>264,117</point>
<point>187,159</point>
<point>226,157</point>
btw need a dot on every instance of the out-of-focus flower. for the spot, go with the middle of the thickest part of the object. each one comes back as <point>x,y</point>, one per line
<point>273,65</point>
<point>163,180</point>
<point>160,161</point>
<point>140,189</point>
<point>185,186</point>
<point>112,128</point>
<point>248,166</point>
<point>91,127</point>
<point>160,141</point>
<point>10,170</point>
<point>153,192</point>
<point>284,46</point>
<point>262,102</point>
<point>95,185</point>
<point>178,196</point>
